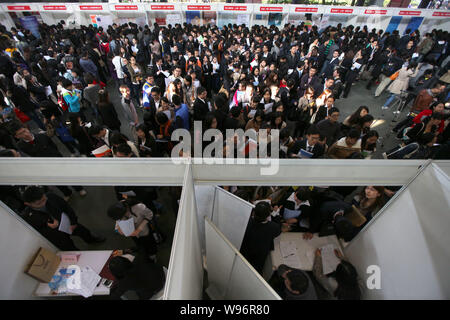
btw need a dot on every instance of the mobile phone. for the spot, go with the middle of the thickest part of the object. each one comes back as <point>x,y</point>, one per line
<point>107,283</point>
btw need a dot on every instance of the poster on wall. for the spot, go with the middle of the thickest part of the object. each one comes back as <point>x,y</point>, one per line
<point>243,19</point>
<point>173,19</point>
<point>209,17</point>
<point>193,17</point>
<point>324,21</point>
<point>104,21</point>
<point>93,18</point>
<point>31,23</point>
<point>161,21</point>
<point>275,18</point>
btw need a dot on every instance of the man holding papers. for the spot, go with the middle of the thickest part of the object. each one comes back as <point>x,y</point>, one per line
<point>309,147</point>
<point>51,216</point>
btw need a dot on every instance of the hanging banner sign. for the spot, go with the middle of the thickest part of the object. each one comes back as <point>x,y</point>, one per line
<point>235,8</point>
<point>91,8</point>
<point>194,8</point>
<point>375,11</point>
<point>52,8</point>
<point>346,11</point>
<point>162,7</point>
<point>409,13</point>
<point>298,9</point>
<point>441,14</point>
<point>121,7</point>
<point>19,8</point>
<point>271,9</point>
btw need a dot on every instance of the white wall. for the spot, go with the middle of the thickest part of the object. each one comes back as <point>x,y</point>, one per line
<point>18,244</point>
<point>409,241</point>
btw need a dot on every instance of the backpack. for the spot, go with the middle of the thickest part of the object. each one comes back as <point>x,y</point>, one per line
<point>63,133</point>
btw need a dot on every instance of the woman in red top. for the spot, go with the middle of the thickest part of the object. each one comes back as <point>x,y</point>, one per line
<point>428,112</point>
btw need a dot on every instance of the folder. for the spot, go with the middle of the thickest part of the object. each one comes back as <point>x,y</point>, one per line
<point>356,217</point>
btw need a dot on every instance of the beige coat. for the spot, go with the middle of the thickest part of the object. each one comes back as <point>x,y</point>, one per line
<point>402,81</point>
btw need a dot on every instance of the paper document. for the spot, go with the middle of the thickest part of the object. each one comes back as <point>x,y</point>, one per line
<point>89,281</point>
<point>251,114</point>
<point>290,71</point>
<point>168,114</point>
<point>268,107</point>
<point>165,73</point>
<point>103,151</point>
<point>329,259</point>
<point>304,154</point>
<point>129,193</point>
<point>64,224</point>
<point>126,226</point>
<point>167,81</point>
<point>289,254</point>
<point>289,214</point>
<point>48,90</point>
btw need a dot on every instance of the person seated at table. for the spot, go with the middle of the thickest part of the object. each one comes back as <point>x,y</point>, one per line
<point>297,209</point>
<point>138,278</point>
<point>259,235</point>
<point>341,284</point>
<point>370,200</point>
<point>293,284</point>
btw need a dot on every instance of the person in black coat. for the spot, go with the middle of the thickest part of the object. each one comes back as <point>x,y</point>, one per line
<point>259,235</point>
<point>44,213</point>
<point>310,144</point>
<point>22,100</point>
<point>200,106</point>
<point>142,278</point>
<point>310,80</point>
<point>107,111</point>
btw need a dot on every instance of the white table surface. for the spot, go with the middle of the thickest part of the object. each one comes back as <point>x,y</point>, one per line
<point>305,250</point>
<point>94,259</point>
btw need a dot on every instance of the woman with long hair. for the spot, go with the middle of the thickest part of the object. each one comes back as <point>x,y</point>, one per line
<point>302,115</point>
<point>401,83</point>
<point>107,111</point>
<point>78,131</point>
<point>356,116</point>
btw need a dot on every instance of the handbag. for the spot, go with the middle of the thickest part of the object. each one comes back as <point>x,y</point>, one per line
<point>64,133</point>
<point>394,75</point>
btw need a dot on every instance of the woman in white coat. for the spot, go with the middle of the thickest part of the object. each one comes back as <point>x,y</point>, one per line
<point>401,82</point>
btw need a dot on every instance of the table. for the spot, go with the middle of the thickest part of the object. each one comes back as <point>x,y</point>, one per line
<point>305,250</point>
<point>94,259</point>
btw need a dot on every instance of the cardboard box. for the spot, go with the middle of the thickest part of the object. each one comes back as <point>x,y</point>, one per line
<point>43,265</point>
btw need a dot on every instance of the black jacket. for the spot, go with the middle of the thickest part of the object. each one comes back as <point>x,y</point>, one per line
<point>317,150</point>
<point>42,146</point>
<point>200,110</point>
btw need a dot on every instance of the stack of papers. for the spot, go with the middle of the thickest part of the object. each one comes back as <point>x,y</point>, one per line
<point>126,226</point>
<point>89,281</point>
<point>329,259</point>
<point>64,224</point>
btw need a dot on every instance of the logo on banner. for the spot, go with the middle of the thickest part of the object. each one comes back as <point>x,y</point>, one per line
<point>306,9</point>
<point>199,7</point>
<point>162,7</point>
<point>341,10</point>
<point>55,8</point>
<point>126,7</point>
<point>19,8</point>
<point>441,14</point>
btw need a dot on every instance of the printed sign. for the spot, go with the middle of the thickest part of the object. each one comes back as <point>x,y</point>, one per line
<point>347,11</point>
<point>375,12</point>
<point>23,8</point>
<point>199,7</point>
<point>121,7</point>
<point>91,8</point>
<point>49,8</point>
<point>441,14</point>
<point>162,7</point>
<point>235,8</point>
<point>299,9</point>
<point>271,9</point>
<point>409,13</point>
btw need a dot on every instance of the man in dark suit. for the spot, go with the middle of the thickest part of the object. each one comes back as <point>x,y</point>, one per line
<point>297,74</point>
<point>157,70</point>
<point>44,212</point>
<point>330,65</point>
<point>266,55</point>
<point>293,57</point>
<point>310,144</point>
<point>310,80</point>
<point>200,106</point>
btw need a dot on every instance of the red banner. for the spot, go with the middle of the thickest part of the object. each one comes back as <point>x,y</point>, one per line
<point>306,9</point>
<point>91,7</point>
<point>342,11</point>
<point>375,12</point>
<point>19,8</point>
<point>126,7</point>
<point>162,7</point>
<point>55,8</point>
<point>409,13</point>
<point>271,9</point>
<point>441,14</point>
<point>235,8</point>
<point>194,8</point>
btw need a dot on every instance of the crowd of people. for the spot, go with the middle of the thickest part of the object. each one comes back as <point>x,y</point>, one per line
<point>62,85</point>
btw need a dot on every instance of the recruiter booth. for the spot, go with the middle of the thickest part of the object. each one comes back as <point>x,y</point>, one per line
<point>211,224</point>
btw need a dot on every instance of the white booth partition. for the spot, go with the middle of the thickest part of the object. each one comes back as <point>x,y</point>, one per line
<point>164,14</point>
<point>184,279</point>
<point>18,244</point>
<point>405,248</point>
<point>234,13</point>
<point>230,276</point>
<point>310,15</point>
<point>377,18</point>
<point>204,197</point>
<point>231,215</point>
<point>93,13</point>
<point>53,13</point>
<point>124,13</point>
<point>335,15</point>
